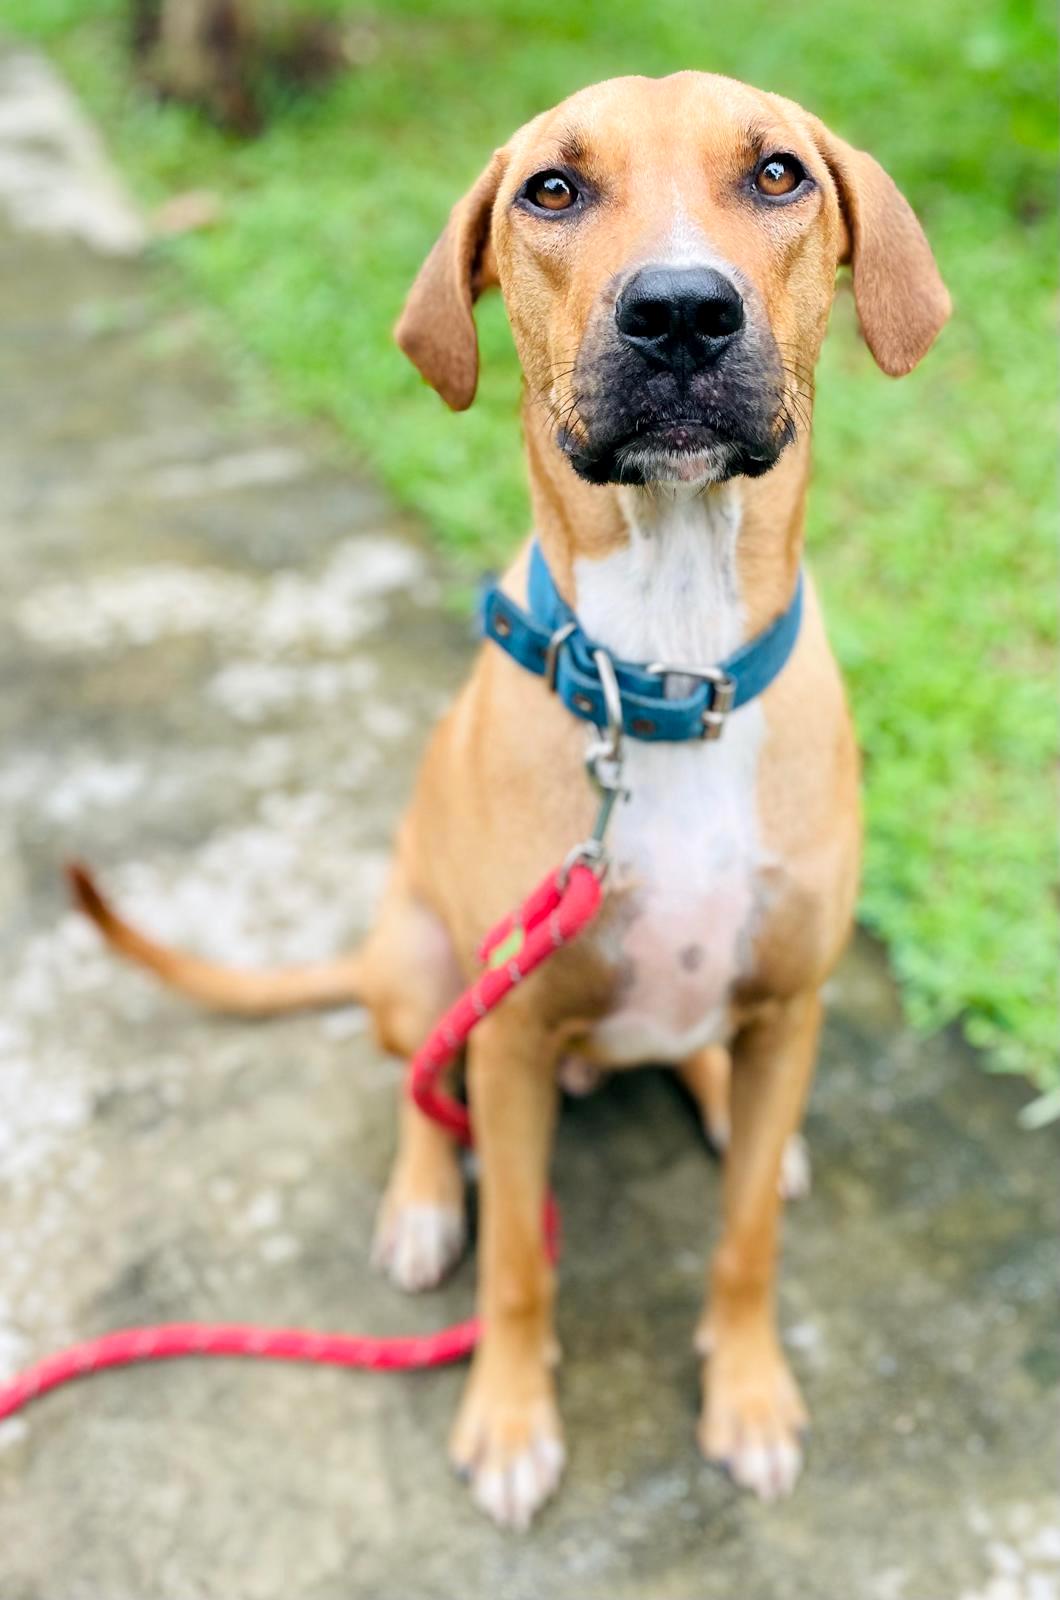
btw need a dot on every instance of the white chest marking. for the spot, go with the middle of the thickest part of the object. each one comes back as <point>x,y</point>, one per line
<point>687,842</point>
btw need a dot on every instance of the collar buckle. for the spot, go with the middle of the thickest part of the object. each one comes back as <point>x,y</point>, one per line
<point>722,697</point>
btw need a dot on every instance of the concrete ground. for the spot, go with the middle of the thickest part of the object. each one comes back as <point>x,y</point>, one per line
<point>220,651</point>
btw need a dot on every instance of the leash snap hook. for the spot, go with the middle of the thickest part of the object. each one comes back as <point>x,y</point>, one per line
<point>592,852</point>
<point>603,763</point>
<point>605,774</point>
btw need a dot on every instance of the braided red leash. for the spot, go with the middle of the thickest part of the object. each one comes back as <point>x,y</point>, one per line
<point>551,917</point>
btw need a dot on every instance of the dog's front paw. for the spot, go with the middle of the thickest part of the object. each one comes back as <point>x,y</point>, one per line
<point>417,1244</point>
<point>753,1416</point>
<point>508,1442</point>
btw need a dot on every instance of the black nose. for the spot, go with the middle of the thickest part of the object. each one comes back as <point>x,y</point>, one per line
<point>679,317</point>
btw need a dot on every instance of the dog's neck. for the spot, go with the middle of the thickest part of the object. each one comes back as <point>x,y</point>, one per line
<point>741,540</point>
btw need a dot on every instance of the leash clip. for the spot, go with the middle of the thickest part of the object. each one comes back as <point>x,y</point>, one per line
<point>603,763</point>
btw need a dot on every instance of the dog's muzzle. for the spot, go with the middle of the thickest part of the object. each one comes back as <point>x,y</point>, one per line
<point>678,380</point>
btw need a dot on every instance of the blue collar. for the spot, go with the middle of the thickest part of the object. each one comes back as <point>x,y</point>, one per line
<point>550,641</point>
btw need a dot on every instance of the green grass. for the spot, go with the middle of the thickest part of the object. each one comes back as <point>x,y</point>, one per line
<point>933,506</point>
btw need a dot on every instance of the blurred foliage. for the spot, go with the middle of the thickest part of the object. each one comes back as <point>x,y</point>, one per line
<point>933,507</point>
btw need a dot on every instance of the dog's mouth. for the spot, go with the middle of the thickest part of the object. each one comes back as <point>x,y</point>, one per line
<point>684,450</point>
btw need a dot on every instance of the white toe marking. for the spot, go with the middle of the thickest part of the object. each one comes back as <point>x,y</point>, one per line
<point>796,1174</point>
<point>513,1493</point>
<point>789,1465</point>
<point>750,1468</point>
<point>553,1457</point>
<point>527,1488</point>
<point>769,1470</point>
<point>577,1076</point>
<point>489,1494</point>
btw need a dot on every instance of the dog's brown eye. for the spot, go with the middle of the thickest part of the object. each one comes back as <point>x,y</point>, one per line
<point>778,176</point>
<point>551,191</point>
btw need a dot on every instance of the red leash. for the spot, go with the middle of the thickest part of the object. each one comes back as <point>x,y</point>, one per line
<point>551,917</point>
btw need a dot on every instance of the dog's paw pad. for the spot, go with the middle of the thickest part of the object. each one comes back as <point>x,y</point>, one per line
<point>416,1245</point>
<point>796,1173</point>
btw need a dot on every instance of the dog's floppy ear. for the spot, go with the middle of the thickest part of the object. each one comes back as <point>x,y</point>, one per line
<point>436,329</point>
<point>901,299</point>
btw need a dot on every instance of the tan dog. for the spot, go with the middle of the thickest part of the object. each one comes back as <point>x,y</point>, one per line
<point>667,252</point>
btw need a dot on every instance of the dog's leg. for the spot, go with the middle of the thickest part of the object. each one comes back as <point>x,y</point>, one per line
<point>507,1438</point>
<point>752,1412</point>
<point>706,1077</point>
<point>420,1230</point>
<point>413,976</point>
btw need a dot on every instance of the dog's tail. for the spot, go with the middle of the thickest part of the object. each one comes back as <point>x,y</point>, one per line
<point>264,993</point>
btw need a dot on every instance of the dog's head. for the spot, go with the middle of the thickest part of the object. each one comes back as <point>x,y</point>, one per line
<point>667,251</point>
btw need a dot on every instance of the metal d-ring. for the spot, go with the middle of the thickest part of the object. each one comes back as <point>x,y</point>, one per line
<point>559,638</point>
<point>612,703</point>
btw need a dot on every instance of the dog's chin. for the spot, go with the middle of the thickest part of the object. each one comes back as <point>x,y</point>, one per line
<point>691,455</point>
